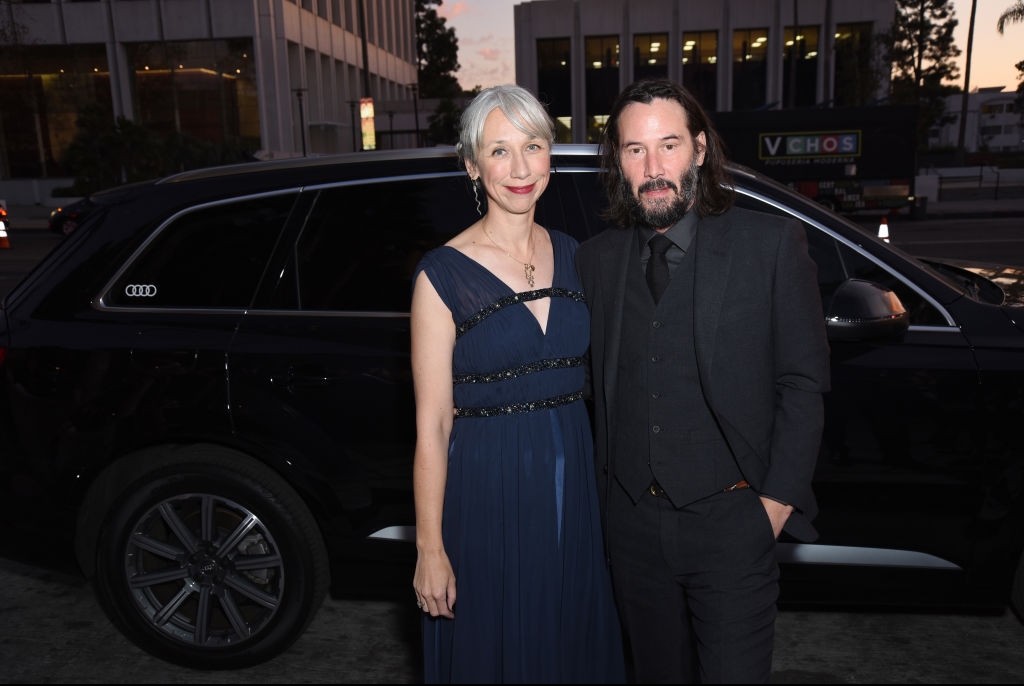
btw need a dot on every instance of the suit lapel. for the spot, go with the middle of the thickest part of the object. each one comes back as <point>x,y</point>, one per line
<point>712,264</point>
<point>614,264</point>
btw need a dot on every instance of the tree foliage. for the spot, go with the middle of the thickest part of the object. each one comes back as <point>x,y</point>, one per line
<point>920,47</point>
<point>437,52</point>
<point>1014,14</point>
<point>109,151</point>
<point>443,124</point>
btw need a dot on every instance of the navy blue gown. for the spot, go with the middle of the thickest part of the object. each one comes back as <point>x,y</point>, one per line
<point>521,524</point>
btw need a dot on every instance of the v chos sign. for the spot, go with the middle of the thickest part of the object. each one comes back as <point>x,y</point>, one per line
<point>849,158</point>
<point>809,144</point>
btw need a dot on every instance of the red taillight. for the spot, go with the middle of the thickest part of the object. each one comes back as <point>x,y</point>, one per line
<point>3,354</point>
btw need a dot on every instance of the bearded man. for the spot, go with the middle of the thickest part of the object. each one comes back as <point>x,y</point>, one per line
<point>708,363</point>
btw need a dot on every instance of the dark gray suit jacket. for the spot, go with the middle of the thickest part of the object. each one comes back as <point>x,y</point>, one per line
<point>762,353</point>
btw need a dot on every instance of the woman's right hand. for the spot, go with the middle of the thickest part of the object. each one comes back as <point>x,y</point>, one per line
<point>434,583</point>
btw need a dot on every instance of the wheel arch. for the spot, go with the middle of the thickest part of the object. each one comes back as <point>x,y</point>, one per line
<point>116,477</point>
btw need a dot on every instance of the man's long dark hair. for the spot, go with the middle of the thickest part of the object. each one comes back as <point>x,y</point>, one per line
<point>714,185</point>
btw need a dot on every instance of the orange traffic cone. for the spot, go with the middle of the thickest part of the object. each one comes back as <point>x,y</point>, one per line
<point>883,230</point>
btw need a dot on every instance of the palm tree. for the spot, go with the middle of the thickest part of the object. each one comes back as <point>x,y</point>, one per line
<point>967,81</point>
<point>1014,13</point>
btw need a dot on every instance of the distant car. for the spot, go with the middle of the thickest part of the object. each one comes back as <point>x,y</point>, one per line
<point>206,400</point>
<point>66,218</point>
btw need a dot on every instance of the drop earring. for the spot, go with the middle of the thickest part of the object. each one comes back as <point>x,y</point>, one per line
<point>476,195</point>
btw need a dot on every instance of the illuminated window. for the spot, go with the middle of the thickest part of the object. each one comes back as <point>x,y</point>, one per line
<point>749,64</point>
<point>602,81</point>
<point>554,84</point>
<point>856,81</point>
<point>800,66</point>
<point>650,56</point>
<point>700,66</point>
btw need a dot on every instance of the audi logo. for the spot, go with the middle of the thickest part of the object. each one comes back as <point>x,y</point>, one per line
<point>140,290</point>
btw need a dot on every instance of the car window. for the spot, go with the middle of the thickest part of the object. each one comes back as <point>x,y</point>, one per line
<point>838,261</point>
<point>359,246</point>
<point>210,258</point>
<point>573,204</point>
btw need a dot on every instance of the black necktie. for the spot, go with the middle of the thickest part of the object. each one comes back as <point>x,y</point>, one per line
<point>657,266</point>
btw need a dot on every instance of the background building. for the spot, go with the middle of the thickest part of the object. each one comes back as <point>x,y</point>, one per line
<point>268,78</point>
<point>993,122</point>
<point>733,54</point>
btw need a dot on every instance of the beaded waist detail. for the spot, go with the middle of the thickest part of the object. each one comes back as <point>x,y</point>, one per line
<point>518,408</point>
<point>515,372</point>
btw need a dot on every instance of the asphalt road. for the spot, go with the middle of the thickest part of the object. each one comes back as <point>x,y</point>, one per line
<point>966,238</point>
<point>52,630</point>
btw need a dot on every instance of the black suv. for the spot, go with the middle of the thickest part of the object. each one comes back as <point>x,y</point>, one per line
<point>205,397</point>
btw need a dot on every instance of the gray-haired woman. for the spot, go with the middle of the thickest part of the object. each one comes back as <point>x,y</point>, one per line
<point>507,516</point>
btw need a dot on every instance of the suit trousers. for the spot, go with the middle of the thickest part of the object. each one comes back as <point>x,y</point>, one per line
<point>696,586</point>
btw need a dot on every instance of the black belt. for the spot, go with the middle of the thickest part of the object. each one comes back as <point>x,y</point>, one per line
<point>657,491</point>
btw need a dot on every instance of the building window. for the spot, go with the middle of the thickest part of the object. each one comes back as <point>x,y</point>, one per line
<point>800,66</point>
<point>700,66</point>
<point>554,84</point>
<point>650,56</point>
<point>749,73</point>
<point>46,91</point>
<point>602,81</point>
<point>350,16</point>
<point>204,90</point>
<point>856,82</point>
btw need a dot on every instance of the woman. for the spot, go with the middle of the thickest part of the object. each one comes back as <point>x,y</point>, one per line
<point>507,516</point>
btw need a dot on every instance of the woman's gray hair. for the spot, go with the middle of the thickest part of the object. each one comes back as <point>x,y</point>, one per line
<point>518,104</point>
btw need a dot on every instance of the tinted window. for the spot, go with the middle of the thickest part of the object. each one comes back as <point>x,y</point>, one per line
<point>838,261</point>
<point>922,313</point>
<point>210,258</point>
<point>361,243</point>
<point>573,204</point>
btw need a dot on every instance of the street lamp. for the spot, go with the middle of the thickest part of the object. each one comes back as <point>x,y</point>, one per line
<point>302,118</point>
<point>416,111</point>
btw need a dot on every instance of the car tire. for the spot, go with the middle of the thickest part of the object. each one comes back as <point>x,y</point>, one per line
<point>206,557</point>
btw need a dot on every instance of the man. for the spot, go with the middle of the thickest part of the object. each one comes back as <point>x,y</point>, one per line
<point>707,398</point>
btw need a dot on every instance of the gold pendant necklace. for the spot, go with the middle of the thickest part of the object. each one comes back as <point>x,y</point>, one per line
<point>528,267</point>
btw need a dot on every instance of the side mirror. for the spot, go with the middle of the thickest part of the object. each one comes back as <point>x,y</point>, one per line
<point>863,310</point>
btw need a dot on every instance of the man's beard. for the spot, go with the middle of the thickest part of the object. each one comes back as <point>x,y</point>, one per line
<point>665,213</point>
